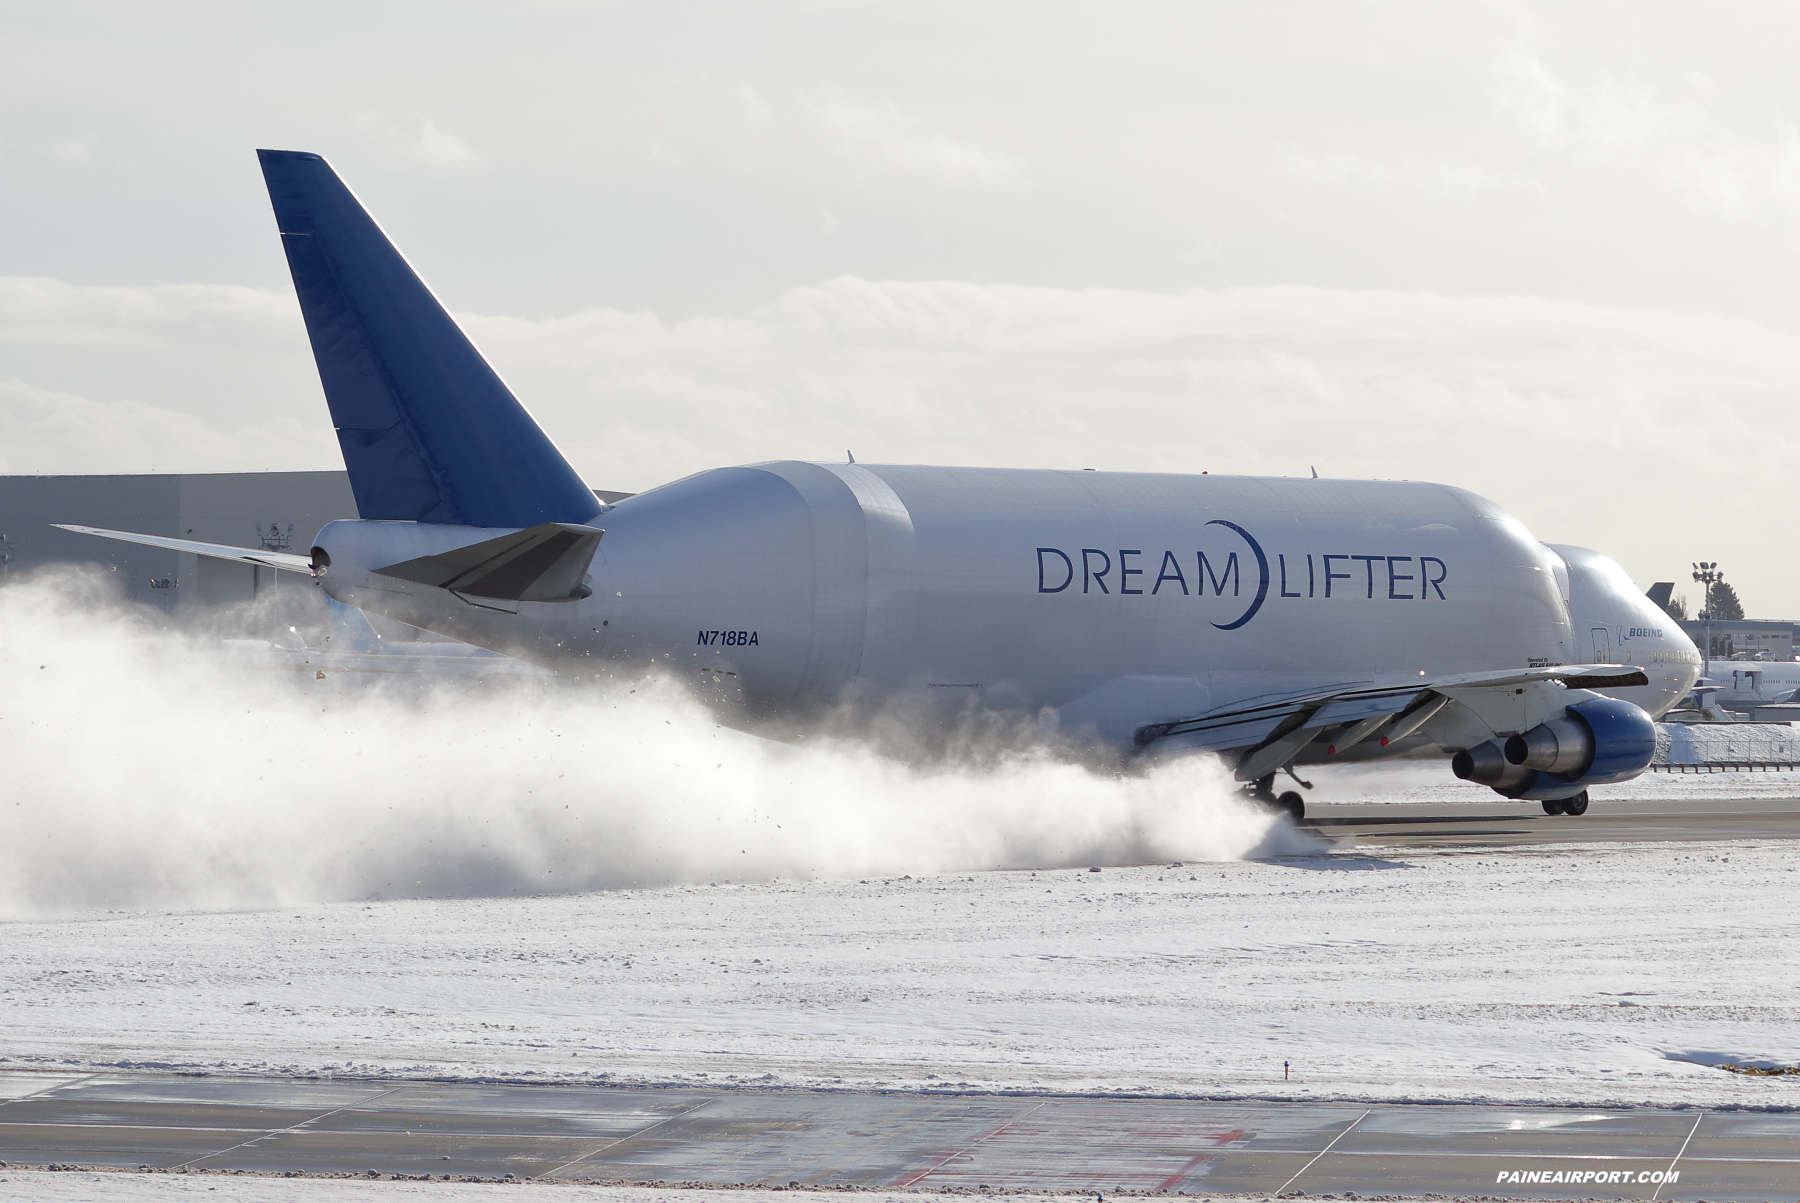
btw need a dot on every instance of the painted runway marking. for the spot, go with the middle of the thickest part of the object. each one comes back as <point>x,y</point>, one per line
<point>1359,1119</point>
<point>264,1135</point>
<point>629,1136</point>
<point>1679,1152</point>
<point>945,1158</point>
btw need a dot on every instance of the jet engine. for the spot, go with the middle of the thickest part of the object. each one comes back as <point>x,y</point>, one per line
<point>1593,742</point>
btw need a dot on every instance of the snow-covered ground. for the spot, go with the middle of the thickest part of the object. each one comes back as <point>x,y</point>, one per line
<point>1563,974</point>
<point>181,845</point>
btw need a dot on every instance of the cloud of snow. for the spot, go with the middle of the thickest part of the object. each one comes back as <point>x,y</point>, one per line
<point>145,767</point>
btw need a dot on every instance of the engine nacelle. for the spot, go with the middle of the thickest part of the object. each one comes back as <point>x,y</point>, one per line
<point>1562,745</point>
<point>1486,764</point>
<point>1596,741</point>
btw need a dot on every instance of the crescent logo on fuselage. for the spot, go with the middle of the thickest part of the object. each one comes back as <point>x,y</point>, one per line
<point>1214,572</point>
<point>1262,576</point>
<point>1112,571</point>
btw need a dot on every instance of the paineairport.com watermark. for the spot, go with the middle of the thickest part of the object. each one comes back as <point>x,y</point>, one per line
<point>1585,1177</point>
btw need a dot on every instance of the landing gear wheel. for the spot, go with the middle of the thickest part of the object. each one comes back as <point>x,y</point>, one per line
<point>1292,805</point>
<point>1554,807</point>
<point>1576,805</point>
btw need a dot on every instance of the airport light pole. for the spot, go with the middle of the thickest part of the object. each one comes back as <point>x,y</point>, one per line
<point>1706,575</point>
<point>274,539</point>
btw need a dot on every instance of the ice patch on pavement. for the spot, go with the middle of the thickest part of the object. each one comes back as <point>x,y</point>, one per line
<point>145,769</point>
<point>1716,1060</point>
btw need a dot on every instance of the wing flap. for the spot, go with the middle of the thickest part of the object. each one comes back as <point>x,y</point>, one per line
<point>1253,722</point>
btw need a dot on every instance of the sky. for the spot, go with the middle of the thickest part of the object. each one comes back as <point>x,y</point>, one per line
<point>1545,252</point>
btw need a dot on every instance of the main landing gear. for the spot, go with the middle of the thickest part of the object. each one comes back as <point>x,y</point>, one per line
<point>1567,806</point>
<point>1289,802</point>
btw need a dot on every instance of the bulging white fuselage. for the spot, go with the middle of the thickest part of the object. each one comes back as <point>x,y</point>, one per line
<point>1116,600</point>
<point>1263,618</point>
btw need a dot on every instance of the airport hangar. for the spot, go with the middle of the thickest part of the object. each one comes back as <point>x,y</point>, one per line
<point>277,511</point>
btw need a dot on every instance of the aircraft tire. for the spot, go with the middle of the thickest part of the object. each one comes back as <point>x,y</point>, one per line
<point>1292,805</point>
<point>1576,805</point>
<point>1554,807</point>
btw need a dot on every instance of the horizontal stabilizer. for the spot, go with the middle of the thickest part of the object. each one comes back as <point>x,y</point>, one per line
<point>218,551</point>
<point>543,563</point>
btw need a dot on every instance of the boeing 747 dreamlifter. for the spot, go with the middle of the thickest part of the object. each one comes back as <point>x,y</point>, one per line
<point>1265,619</point>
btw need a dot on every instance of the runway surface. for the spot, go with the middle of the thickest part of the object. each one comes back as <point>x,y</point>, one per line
<point>1502,823</point>
<point>779,1138</point>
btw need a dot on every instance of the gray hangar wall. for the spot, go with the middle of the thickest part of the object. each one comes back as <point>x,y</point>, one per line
<point>278,510</point>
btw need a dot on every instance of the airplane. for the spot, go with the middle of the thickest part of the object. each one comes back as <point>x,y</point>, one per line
<point>1267,620</point>
<point>1749,684</point>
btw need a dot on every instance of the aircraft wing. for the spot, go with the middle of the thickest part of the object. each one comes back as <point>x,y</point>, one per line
<point>1274,729</point>
<point>218,551</point>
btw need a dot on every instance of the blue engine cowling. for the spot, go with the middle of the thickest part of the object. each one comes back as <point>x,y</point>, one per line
<point>1624,742</point>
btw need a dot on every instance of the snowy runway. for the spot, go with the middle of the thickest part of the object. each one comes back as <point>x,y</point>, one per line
<point>1595,974</point>
<point>826,911</point>
<point>394,1134</point>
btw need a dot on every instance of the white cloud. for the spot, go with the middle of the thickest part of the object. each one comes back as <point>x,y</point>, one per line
<point>38,311</point>
<point>1442,177</point>
<point>1679,137</point>
<point>421,140</point>
<point>1586,421</point>
<point>1583,420</point>
<point>44,431</point>
<point>882,135</point>
<point>174,377</point>
<point>754,109</point>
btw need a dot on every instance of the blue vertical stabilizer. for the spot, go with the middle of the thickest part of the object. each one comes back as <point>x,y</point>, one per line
<point>428,430</point>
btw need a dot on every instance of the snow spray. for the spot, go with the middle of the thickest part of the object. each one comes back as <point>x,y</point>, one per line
<point>145,768</point>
